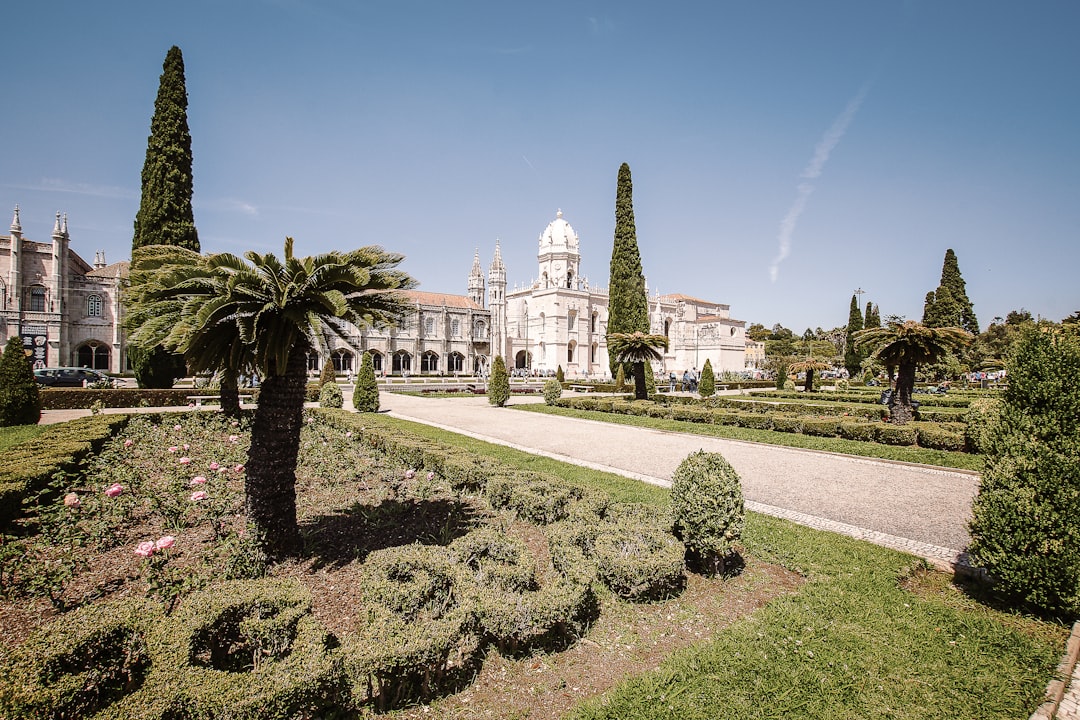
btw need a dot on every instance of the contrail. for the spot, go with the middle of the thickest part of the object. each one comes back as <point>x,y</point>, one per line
<point>812,171</point>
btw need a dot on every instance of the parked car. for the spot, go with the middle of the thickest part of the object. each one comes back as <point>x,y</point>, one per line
<point>68,377</point>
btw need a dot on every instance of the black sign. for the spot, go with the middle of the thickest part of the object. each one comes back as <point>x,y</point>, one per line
<point>34,339</point>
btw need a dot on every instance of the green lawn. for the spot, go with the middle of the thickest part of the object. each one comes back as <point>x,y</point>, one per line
<point>924,456</point>
<point>872,633</point>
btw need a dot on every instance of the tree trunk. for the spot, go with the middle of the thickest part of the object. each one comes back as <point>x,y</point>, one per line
<point>640,391</point>
<point>230,394</point>
<point>900,410</point>
<point>808,386</point>
<point>270,496</point>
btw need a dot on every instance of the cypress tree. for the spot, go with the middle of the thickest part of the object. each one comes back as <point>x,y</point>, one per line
<point>327,374</point>
<point>873,320</point>
<point>628,306</point>
<point>366,391</point>
<point>949,305</point>
<point>499,383</point>
<point>852,357</point>
<point>20,399</point>
<point>707,384</point>
<point>165,215</point>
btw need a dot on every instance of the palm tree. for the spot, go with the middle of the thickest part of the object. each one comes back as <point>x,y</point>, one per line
<point>905,345</point>
<point>636,348</point>
<point>228,312</point>
<point>809,366</point>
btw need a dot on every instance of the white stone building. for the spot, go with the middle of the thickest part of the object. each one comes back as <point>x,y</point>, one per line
<point>66,310</point>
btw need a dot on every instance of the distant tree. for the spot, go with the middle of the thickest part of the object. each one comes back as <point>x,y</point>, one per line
<point>165,215</point>
<point>498,383</point>
<point>327,374</point>
<point>780,365</point>
<point>1073,319</point>
<point>852,357</point>
<point>905,346</point>
<point>780,341</point>
<point>949,305</point>
<point>559,374</point>
<point>620,379</point>
<point>637,348</point>
<point>873,317</point>
<point>366,392</point>
<point>707,384</point>
<point>1023,528</point>
<point>628,306</point>
<point>757,332</point>
<point>20,398</point>
<point>1019,317</point>
<point>809,366</point>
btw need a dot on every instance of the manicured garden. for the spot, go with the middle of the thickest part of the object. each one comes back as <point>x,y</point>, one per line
<point>445,576</point>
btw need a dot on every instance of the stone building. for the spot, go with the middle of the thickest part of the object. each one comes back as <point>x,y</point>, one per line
<point>66,310</point>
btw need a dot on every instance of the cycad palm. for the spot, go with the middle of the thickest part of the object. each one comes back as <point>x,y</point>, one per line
<point>809,365</point>
<point>225,312</point>
<point>637,348</point>
<point>905,346</point>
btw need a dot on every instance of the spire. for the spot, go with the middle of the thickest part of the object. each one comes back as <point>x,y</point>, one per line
<point>16,226</point>
<point>64,229</point>
<point>56,227</point>
<point>497,261</point>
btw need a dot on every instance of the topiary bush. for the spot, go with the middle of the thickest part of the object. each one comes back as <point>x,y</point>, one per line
<point>20,401</point>
<point>639,561</point>
<point>366,391</point>
<point>865,432</point>
<point>935,437</point>
<point>707,384</point>
<point>707,507</point>
<point>330,396</point>
<point>327,375</point>
<point>499,384</point>
<point>1023,528</point>
<point>981,414</point>
<point>785,423</point>
<point>552,391</point>
<point>896,434</point>
<point>821,427</point>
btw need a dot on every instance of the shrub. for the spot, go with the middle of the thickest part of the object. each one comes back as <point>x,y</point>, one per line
<point>366,391</point>
<point>327,375</point>
<point>639,561</point>
<point>691,413</point>
<point>757,421</point>
<point>330,396</point>
<point>934,436</point>
<point>784,423</point>
<point>552,391</point>
<point>707,505</point>
<point>865,432</point>
<point>707,384</point>
<point>981,414</point>
<point>559,375</point>
<point>20,402</point>
<point>499,383</point>
<point>821,427</point>
<point>533,496</point>
<point>620,379</point>
<point>1024,529</point>
<point>896,434</point>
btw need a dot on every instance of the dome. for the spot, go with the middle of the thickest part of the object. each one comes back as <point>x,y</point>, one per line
<point>559,234</point>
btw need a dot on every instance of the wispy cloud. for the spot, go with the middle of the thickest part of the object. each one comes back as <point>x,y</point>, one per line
<point>531,167</point>
<point>227,205</point>
<point>811,172</point>
<point>58,185</point>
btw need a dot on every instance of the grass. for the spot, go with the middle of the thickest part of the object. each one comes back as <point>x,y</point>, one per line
<point>872,634</point>
<point>923,456</point>
<point>18,434</point>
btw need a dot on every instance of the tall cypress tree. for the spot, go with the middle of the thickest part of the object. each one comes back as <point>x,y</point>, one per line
<point>873,318</point>
<point>20,401</point>
<point>852,357</point>
<point>628,306</point>
<point>165,216</point>
<point>950,306</point>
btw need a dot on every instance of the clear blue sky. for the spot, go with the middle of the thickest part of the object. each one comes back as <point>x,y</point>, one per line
<point>783,153</point>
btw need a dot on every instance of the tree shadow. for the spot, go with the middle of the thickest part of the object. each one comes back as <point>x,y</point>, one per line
<point>341,538</point>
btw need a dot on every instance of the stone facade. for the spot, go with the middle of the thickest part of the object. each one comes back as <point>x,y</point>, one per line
<point>66,310</point>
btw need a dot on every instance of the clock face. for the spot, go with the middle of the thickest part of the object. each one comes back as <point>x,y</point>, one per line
<point>557,267</point>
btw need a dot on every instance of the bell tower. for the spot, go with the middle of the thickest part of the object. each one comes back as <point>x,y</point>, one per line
<point>558,255</point>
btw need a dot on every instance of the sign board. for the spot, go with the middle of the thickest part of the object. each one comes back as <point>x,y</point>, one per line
<point>34,339</point>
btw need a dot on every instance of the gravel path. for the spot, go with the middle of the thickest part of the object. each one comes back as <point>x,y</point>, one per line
<point>913,508</point>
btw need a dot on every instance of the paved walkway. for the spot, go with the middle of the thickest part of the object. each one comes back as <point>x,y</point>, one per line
<point>917,509</point>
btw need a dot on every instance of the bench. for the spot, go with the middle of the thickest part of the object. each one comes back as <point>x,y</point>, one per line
<point>583,388</point>
<point>198,399</point>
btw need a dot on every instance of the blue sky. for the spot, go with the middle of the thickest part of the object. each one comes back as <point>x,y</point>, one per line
<point>783,153</point>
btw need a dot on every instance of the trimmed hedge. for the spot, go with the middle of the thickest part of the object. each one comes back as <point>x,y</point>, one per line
<point>896,434</point>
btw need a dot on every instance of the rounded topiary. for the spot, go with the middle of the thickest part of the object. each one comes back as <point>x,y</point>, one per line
<point>707,506</point>
<point>327,375</point>
<point>559,374</point>
<point>499,384</point>
<point>20,401</point>
<point>1023,528</point>
<point>707,384</point>
<point>330,396</point>
<point>638,560</point>
<point>552,391</point>
<point>366,391</point>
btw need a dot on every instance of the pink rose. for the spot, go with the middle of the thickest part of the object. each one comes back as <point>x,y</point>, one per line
<point>215,466</point>
<point>72,500</point>
<point>198,480</point>
<point>410,474</point>
<point>348,434</point>
<point>185,460</point>
<point>430,476</point>
<point>173,449</point>
<point>238,469</point>
<point>145,549</point>
<point>233,438</point>
<point>129,442</point>
<point>165,542</point>
<point>114,489</point>
<point>177,428</point>
<point>186,446</point>
<point>198,495</point>
<point>191,404</point>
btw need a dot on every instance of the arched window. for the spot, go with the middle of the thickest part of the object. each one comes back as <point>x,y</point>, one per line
<point>479,329</point>
<point>343,361</point>
<point>592,352</point>
<point>429,362</point>
<point>667,328</point>
<point>3,295</point>
<point>570,351</point>
<point>93,306</point>
<point>569,279</point>
<point>592,323</point>
<point>313,362</point>
<point>455,361</point>
<point>37,299</point>
<point>94,356</point>
<point>376,361</point>
<point>402,362</point>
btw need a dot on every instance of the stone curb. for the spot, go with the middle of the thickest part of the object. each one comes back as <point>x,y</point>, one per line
<point>1055,690</point>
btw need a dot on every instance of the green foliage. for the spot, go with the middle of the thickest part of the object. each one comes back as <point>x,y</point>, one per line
<point>707,384</point>
<point>1024,529</point>
<point>620,379</point>
<point>498,391</point>
<point>155,367</point>
<point>552,391</point>
<point>980,416</point>
<point>949,305</point>
<point>165,216</point>
<point>559,374</point>
<point>327,374</point>
<point>639,561</point>
<point>330,396</point>
<point>650,380</point>
<point>20,401</point>
<point>628,306</point>
<point>366,392</point>
<point>852,357</point>
<point>707,505</point>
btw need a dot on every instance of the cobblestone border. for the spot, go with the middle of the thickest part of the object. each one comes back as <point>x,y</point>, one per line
<point>1055,703</point>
